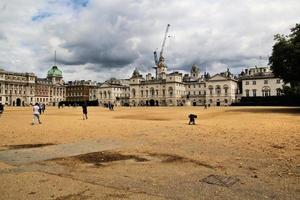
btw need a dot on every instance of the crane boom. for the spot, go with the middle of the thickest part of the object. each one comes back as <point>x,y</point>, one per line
<point>164,41</point>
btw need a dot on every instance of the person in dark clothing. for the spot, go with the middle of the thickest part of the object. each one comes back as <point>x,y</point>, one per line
<point>192,119</point>
<point>84,111</point>
<point>1,108</point>
<point>43,107</point>
<point>40,108</point>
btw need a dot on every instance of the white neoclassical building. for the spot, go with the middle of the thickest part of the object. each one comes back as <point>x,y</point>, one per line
<point>113,91</point>
<point>17,89</point>
<point>259,82</point>
<point>221,89</point>
<point>21,89</point>
<point>166,90</point>
<point>195,87</point>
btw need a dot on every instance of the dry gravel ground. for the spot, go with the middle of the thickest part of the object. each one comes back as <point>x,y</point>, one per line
<point>151,153</point>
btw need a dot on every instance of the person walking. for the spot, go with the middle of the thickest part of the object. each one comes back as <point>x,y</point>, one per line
<point>112,107</point>
<point>36,114</point>
<point>84,111</point>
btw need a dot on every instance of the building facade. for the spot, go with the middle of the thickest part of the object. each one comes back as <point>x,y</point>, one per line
<point>221,89</point>
<point>163,89</point>
<point>260,82</point>
<point>23,89</point>
<point>80,91</point>
<point>195,87</point>
<point>114,92</point>
<point>50,90</point>
<point>17,89</point>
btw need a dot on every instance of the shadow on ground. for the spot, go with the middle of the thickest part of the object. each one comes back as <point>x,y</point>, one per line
<point>294,111</point>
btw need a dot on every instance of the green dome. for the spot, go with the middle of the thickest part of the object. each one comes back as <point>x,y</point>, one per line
<point>54,72</point>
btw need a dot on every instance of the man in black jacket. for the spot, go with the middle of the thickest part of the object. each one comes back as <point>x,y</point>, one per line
<point>84,110</point>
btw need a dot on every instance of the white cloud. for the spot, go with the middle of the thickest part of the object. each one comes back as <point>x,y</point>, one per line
<point>109,38</point>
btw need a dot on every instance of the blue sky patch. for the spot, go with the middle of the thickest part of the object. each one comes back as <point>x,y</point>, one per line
<point>82,3</point>
<point>41,16</point>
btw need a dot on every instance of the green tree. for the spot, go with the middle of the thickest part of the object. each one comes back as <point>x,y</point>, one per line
<point>285,59</point>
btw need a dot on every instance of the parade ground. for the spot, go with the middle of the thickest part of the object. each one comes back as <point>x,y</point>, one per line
<point>150,153</point>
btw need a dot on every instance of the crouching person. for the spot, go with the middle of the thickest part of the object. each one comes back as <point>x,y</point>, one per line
<point>192,118</point>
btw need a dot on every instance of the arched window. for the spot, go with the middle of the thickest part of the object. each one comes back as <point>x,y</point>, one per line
<point>170,91</point>
<point>225,89</point>
<point>142,93</point>
<point>133,92</point>
<point>218,90</point>
<point>266,91</point>
<point>278,92</point>
<point>151,92</point>
<point>105,96</point>
<point>210,89</point>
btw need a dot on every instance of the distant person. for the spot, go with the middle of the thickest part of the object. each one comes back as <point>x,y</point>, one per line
<point>40,108</point>
<point>1,109</point>
<point>192,119</point>
<point>205,106</point>
<point>36,114</point>
<point>84,110</point>
<point>112,106</point>
<point>43,107</point>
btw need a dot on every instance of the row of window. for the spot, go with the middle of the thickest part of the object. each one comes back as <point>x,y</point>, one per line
<point>265,82</point>
<point>108,95</point>
<point>194,85</point>
<point>16,92</point>
<point>15,86</point>
<point>46,99</point>
<point>18,78</point>
<point>195,93</point>
<point>218,91</point>
<point>265,92</point>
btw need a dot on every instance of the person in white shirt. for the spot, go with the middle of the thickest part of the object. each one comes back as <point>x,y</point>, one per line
<point>36,114</point>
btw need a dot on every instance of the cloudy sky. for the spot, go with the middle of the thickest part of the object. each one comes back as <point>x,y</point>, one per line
<point>99,39</point>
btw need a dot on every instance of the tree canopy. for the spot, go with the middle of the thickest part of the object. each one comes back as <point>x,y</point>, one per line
<point>285,58</point>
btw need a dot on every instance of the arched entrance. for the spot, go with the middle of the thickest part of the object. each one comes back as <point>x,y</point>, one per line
<point>194,103</point>
<point>152,102</point>
<point>156,103</point>
<point>218,102</point>
<point>18,102</point>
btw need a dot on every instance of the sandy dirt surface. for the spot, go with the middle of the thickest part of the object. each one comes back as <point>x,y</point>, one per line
<point>151,153</point>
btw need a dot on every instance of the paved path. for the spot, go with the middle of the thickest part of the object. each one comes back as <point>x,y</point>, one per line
<point>29,155</point>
